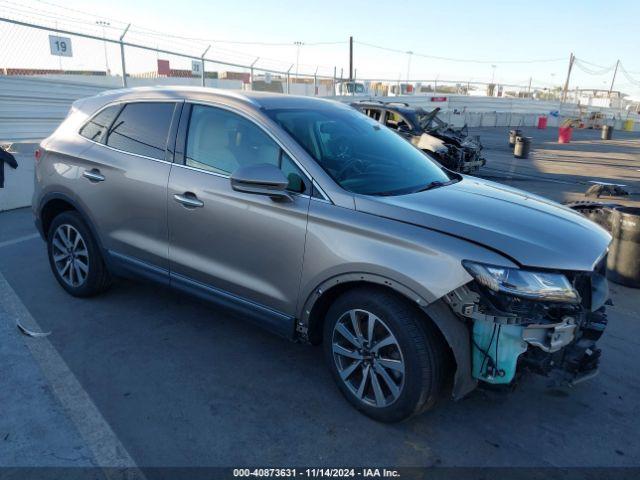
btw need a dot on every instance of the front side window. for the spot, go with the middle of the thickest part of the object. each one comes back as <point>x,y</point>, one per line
<point>95,128</point>
<point>220,141</point>
<point>142,128</point>
<point>357,152</point>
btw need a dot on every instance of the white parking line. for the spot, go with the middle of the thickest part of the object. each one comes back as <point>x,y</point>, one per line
<point>108,451</point>
<point>6,243</point>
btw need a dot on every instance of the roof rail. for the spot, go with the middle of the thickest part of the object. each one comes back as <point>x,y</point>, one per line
<point>397,103</point>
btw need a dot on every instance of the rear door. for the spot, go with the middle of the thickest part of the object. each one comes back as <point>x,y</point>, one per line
<point>229,242</point>
<point>123,181</point>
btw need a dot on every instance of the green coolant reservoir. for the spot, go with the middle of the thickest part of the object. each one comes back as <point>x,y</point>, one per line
<point>496,350</point>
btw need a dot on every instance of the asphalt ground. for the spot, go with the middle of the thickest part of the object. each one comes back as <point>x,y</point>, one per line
<point>143,376</point>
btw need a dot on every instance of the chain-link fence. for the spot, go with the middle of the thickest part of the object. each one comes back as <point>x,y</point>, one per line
<point>113,55</point>
<point>35,50</point>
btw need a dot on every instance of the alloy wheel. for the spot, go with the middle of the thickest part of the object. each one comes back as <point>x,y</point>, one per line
<point>70,255</point>
<point>368,358</point>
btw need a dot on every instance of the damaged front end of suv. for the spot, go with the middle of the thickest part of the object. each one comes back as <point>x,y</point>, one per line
<point>543,322</point>
<point>452,147</point>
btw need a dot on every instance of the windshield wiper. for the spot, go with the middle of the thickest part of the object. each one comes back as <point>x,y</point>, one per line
<point>434,184</point>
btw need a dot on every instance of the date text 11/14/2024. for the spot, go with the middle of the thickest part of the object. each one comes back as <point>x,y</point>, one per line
<point>317,472</point>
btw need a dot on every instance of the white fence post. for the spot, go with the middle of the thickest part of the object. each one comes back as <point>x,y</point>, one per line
<point>202,63</point>
<point>124,65</point>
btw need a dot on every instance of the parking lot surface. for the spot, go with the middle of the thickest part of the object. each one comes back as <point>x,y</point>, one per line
<point>147,376</point>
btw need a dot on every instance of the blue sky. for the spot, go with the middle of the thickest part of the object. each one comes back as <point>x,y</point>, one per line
<point>596,31</point>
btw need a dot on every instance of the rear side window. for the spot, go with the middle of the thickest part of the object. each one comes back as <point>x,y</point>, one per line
<point>373,113</point>
<point>142,128</point>
<point>97,126</point>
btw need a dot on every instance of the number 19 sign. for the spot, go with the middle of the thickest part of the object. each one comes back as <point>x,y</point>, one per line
<point>60,46</point>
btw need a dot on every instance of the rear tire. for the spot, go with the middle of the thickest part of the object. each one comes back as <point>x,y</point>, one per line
<point>74,256</point>
<point>393,370</point>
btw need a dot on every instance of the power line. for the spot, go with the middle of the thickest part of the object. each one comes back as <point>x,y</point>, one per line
<point>34,12</point>
<point>151,32</point>
<point>629,77</point>
<point>461,60</point>
<point>581,65</point>
<point>596,65</point>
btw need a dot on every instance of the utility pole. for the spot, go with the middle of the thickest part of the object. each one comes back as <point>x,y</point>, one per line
<point>572,58</point>
<point>529,89</point>
<point>103,24</point>
<point>409,53</point>
<point>350,59</point>
<point>614,78</point>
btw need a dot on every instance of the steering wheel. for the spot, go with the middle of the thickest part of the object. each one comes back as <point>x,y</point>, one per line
<point>353,164</point>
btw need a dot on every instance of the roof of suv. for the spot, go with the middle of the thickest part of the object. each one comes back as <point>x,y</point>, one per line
<point>257,99</point>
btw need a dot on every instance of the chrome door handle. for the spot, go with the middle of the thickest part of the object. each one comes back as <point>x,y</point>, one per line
<point>188,199</point>
<point>93,175</point>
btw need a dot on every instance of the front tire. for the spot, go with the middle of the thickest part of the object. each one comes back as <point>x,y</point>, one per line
<point>387,358</point>
<point>74,256</point>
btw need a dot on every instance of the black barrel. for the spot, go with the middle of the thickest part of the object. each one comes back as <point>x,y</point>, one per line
<point>623,262</point>
<point>607,132</point>
<point>512,136</point>
<point>597,212</point>
<point>523,145</point>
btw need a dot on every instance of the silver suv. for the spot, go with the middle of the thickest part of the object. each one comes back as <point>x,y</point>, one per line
<point>322,225</point>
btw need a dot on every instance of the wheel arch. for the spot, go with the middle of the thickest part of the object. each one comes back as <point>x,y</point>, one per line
<point>453,330</point>
<point>55,203</point>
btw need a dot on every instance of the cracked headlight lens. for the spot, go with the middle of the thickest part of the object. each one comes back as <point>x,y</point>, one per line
<point>528,284</point>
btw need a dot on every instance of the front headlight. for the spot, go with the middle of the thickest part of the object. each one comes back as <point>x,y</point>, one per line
<point>532,285</point>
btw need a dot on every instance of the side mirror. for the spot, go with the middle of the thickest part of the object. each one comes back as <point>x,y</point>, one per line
<point>261,179</point>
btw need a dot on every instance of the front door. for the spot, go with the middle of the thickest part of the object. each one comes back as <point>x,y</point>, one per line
<point>232,243</point>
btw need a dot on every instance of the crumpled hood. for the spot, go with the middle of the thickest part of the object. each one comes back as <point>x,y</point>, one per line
<point>529,229</point>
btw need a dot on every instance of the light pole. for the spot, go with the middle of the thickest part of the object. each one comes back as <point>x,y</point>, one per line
<point>104,24</point>
<point>298,45</point>
<point>493,73</point>
<point>409,53</point>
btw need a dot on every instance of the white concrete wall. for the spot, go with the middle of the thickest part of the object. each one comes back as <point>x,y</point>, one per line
<point>18,183</point>
<point>32,107</point>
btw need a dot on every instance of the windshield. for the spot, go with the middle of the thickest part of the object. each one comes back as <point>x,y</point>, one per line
<point>358,153</point>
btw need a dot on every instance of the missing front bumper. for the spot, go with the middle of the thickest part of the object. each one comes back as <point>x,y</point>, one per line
<point>564,349</point>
